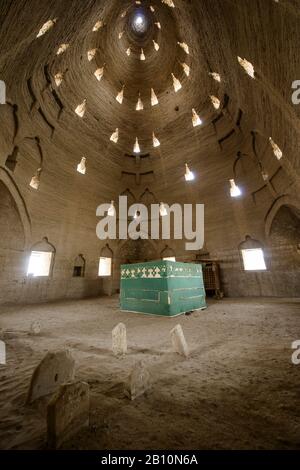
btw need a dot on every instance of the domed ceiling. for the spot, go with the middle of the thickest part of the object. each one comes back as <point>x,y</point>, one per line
<point>140,88</point>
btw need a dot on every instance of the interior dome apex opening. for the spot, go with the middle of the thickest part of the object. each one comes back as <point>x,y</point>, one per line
<point>140,22</point>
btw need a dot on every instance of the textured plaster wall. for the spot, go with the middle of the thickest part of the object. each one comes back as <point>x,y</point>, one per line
<point>39,129</point>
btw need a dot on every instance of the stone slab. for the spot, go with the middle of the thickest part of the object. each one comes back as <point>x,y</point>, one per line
<point>55,369</point>
<point>178,341</point>
<point>2,353</point>
<point>119,340</point>
<point>67,413</point>
<point>139,382</point>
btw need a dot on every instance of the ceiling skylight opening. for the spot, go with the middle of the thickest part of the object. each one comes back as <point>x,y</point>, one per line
<point>46,27</point>
<point>235,191</point>
<point>136,215</point>
<point>247,66</point>
<point>163,210</point>
<point>36,179</point>
<point>81,167</point>
<point>216,76</point>
<point>99,74</point>
<point>170,3</point>
<point>156,45</point>
<point>142,56</point>
<point>120,95</point>
<point>115,136</point>
<point>215,102</point>
<point>176,83</point>
<point>91,54</point>
<point>189,175</point>
<point>156,142</point>
<point>62,48</point>
<point>98,26</point>
<point>81,109</point>
<point>186,69</point>
<point>196,119</point>
<point>139,105</point>
<point>111,211</point>
<point>58,78</point>
<point>139,21</point>
<point>154,99</point>
<point>276,150</point>
<point>136,148</point>
<point>184,46</point>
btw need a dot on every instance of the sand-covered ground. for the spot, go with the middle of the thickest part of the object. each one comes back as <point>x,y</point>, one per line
<point>237,390</point>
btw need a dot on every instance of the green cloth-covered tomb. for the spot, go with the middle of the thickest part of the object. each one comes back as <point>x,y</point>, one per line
<point>162,288</point>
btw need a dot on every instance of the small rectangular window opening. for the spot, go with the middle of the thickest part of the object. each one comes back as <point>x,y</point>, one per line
<point>39,264</point>
<point>78,271</point>
<point>104,267</point>
<point>254,260</point>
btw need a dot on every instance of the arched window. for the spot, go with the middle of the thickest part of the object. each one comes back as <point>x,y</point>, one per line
<point>105,262</point>
<point>252,254</point>
<point>79,266</point>
<point>41,259</point>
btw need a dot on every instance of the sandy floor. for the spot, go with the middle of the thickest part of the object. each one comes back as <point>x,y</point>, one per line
<point>237,390</point>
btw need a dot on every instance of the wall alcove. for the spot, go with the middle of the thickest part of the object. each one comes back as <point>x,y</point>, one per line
<point>12,237</point>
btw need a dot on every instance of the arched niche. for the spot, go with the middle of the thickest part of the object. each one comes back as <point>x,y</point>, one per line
<point>12,236</point>
<point>285,228</point>
<point>147,198</point>
<point>137,251</point>
<point>41,259</point>
<point>106,253</point>
<point>284,201</point>
<point>167,252</point>
<point>284,239</point>
<point>133,251</point>
<point>43,245</point>
<point>131,199</point>
<point>79,266</point>
<point>250,244</point>
<point>11,193</point>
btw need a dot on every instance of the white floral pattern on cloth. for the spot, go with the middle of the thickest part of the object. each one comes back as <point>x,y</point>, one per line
<point>160,270</point>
